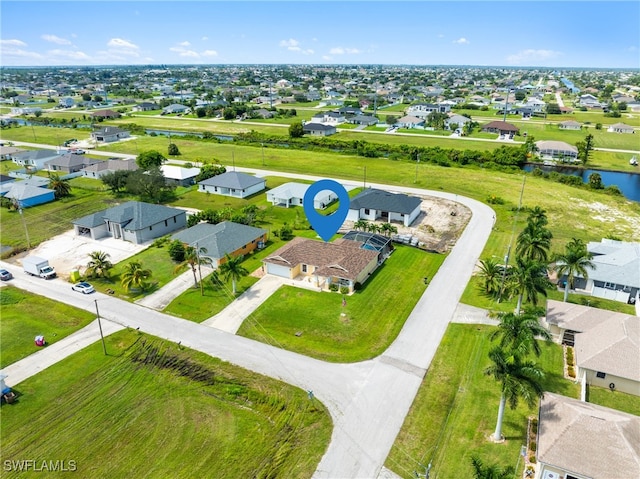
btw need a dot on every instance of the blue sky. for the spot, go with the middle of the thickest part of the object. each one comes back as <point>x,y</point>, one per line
<point>511,33</point>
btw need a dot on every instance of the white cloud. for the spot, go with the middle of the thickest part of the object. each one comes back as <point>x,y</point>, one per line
<point>344,51</point>
<point>461,41</point>
<point>18,52</point>
<point>184,44</point>
<point>71,54</point>
<point>204,38</point>
<point>55,39</point>
<point>121,43</point>
<point>440,35</point>
<point>13,42</point>
<point>209,53</point>
<point>190,54</point>
<point>532,56</point>
<point>291,43</point>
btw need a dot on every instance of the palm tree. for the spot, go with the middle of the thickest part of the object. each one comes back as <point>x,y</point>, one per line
<point>493,471</point>
<point>518,332</point>
<point>98,265</point>
<point>491,274</point>
<point>527,279</point>
<point>233,270</point>
<point>360,225</point>
<point>574,262</point>
<point>534,242</point>
<point>518,379</point>
<point>388,229</point>
<point>193,256</point>
<point>134,276</point>
<point>537,216</point>
<point>61,187</point>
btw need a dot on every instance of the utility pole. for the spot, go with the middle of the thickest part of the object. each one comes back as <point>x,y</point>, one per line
<point>513,231</point>
<point>199,269</point>
<point>262,153</point>
<point>104,347</point>
<point>364,180</point>
<point>417,163</point>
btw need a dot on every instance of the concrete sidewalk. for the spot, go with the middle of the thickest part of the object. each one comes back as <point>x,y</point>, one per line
<point>160,299</point>
<point>51,354</point>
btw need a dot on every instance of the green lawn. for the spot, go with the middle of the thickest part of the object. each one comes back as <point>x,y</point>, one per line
<point>152,409</point>
<point>456,408</point>
<point>614,399</point>
<point>26,315</point>
<point>372,318</point>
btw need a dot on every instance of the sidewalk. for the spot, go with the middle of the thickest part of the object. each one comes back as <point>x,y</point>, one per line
<point>160,299</point>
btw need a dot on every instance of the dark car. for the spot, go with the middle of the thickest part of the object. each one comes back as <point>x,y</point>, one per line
<point>5,275</point>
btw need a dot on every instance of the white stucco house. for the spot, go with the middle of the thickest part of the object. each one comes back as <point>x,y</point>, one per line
<point>373,205</point>
<point>232,183</point>
<point>292,194</point>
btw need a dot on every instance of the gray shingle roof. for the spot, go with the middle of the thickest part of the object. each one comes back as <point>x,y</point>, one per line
<point>71,161</point>
<point>233,179</point>
<point>225,237</point>
<point>385,201</point>
<point>133,215</point>
<point>615,262</point>
<point>35,154</point>
<point>20,191</point>
<point>317,127</point>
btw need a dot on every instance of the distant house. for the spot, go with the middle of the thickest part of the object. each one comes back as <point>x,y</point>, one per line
<point>109,134</point>
<point>589,101</point>
<point>328,118</point>
<point>263,113</point>
<point>343,262</point>
<point>501,128</point>
<point>101,168</point>
<point>66,102</point>
<point>34,158</point>
<point>6,182</point>
<point>26,110</point>
<point>174,108</point>
<point>367,120</point>
<point>179,176</point>
<point>69,163</point>
<point>570,125</point>
<point>458,120</point>
<point>132,221</point>
<point>423,110</point>
<point>106,114</point>
<point>557,150</point>
<point>223,238</point>
<point>620,128</point>
<point>579,440</point>
<point>7,152</point>
<point>409,121</point>
<point>349,110</point>
<point>231,183</point>
<point>146,106</point>
<point>26,195</point>
<point>372,204</point>
<point>292,194</point>
<point>318,129</point>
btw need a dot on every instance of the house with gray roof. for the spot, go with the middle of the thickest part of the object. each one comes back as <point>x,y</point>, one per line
<point>133,221</point>
<point>174,108</point>
<point>34,158</point>
<point>579,440</point>
<point>224,238</point>
<point>570,125</point>
<point>620,128</point>
<point>557,150</point>
<point>109,134</point>
<point>318,129</point>
<point>101,168</point>
<point>232,183</point>
<point>366,120</point>
<point>69,163</point>
<point>26,195</point>
<point>372,204</point>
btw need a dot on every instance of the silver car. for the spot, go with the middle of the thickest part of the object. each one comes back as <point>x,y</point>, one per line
<point>83,287</point>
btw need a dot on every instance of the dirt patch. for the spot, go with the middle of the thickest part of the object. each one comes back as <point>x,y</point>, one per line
<point>609,215</point>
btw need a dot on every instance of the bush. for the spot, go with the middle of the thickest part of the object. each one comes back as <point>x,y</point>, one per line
<point>177,251</point>
<point>495,200</point>
<point>357,286</point>
<point>333,287</point>
<point>173,149</point>
<point>532,459</point>
<point>285,233</point>
<point>571,372</point>
<point>344,290</point>
<point>532,446</point>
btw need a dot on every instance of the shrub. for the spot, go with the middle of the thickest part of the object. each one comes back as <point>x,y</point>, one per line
<point>532,446</point>
<point>177,251</point>
<point>495,200</point>
<point>357,286</point>
<point>532,459</point>
<point>333,287</point>
<point>344,290</point>
<point>173,149</point>
<point>571,372</point>
<point>286,233</point>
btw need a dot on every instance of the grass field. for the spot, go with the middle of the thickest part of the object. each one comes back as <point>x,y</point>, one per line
<point>614,400</point>
<point>152,409</point>
<point>26,315</point>
<point>456,408</point>
<point>372,317</point>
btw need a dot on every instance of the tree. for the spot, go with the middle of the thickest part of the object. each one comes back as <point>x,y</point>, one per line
<point>148,159</point>
<point>437,119</point>
<point>518,333</point>
<point>86,96</point>
<point>149,185</point>
<point>360,225</point>
<point>491,274</point>
<point>176,251</point>
<point>209,170</point>
<point>595,181</point>
<point>553,109</point>
<point>575,261</point>
<point>61,187</point>
<point>233,270</point>
<point>116,181</point>
<point>193,257</point>
<point>173,149</point>
<point>520,95</point>
<point>134,276</point>
<point>388,229</point>
<point>493,471</point>
<point>534,242</point>
<point>528,279</point>
<point>391,120</point>
<point>98,265</point>
<point>97,98</point>
<point>584,148</point>
<point>296,130</point>
<point>518,378</point>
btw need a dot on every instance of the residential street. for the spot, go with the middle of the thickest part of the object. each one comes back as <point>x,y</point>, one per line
<point>368,401</point>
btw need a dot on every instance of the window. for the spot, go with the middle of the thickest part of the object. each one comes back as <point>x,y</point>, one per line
<point>174,219</point>
<point>150,228</point>
<point>166,223</point>
<point>366,211</point>
<point>304,268</point>
<point>601,375</point>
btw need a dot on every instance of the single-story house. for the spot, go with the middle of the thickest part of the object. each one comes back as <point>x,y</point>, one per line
<point>5,183</point>
<point>224,238</point>
<point>133,221</point>
<point>7,152</point>
<point>570,125</point>
<point>174,108</point>
<point>66,102</point>
<point>292,194</point>
<point>556,150</point>
<point>318,129</point>
<point>367,120</point>
<point>328,118</point>
<point>620,128</point>
<point>342,262</point>
<point>263,113</point>
<point>580,440</point>
<point>350,110</point>
<point>26,110</point>
<point>409,121</point>
<point>179,176</point>
<point>232,183</point>
<point>501,128</point>
<point>101,168</point>
<point>70,163</point>
<point>146,106</point>
<point>109,134</point>
<point>372,204</point>
<point>423,110</point>
<point>34,158</point>
<point>27,195</point>
<point>458,120</point>
<point>589,101</point>
<point>106,114</point>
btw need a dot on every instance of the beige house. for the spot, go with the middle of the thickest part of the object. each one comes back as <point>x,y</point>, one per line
<point>578,440</point>
<point>620,128</point>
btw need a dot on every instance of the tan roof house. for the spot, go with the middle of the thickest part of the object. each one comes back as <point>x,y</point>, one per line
<point>620,128</point>
<point>569,125</point>
<point>579,440</point>
<point>552,149</point>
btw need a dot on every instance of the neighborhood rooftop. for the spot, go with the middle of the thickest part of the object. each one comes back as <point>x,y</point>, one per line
<point>134,215</point>
<point>385,201</point>
<point>232,179</point>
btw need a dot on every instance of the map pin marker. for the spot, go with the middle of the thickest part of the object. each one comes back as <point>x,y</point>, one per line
<point>326,226</point>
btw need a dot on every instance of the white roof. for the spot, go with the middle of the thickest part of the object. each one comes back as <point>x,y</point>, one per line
<point>555,145</point>
<point>178,173</point>
<point>615,262</point>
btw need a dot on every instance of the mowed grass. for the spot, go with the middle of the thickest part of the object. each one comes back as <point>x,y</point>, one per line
<point>152,409</point>
<point>372,317</point>
<point>614,399</point>
<point>26,315</point>
<point>456,408</point>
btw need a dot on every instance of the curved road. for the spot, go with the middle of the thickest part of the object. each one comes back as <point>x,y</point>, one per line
<point>368,401</point>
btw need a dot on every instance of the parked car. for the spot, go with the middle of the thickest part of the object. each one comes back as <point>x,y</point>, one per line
<point>83,287</point>
<point>69,142</point>
<point>78,152</point>
<point>5,275</point>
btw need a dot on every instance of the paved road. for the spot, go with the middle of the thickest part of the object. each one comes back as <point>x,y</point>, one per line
<point>368,401</point>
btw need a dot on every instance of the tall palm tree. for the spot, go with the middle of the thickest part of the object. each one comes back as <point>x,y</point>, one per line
<point>518,333</point>
<point>98,265</point>
<point>518,378</point>
<point>527,279</point>
<point>575,261</point>
<point>134,276</point>
<point>534,242</point>
<point>233,270</point>
<point>492,471</point>
<point>537,216</point>
<point>491,275</point>
<point>61,187</point>
<point>360,225</point>
<point>193,256</point>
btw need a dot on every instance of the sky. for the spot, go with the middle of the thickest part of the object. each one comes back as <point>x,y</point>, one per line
<point>588,34</point>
